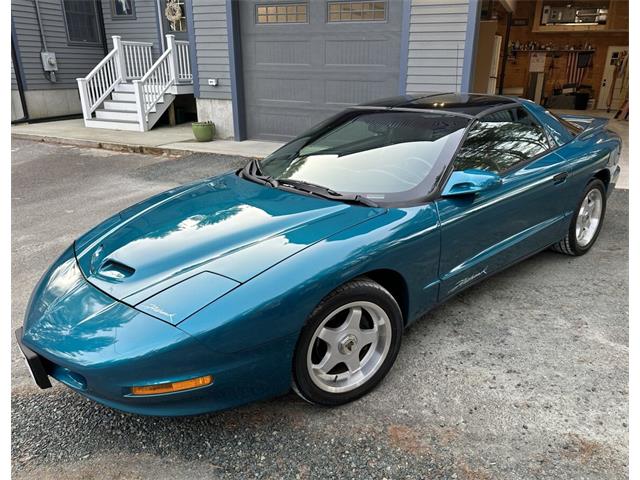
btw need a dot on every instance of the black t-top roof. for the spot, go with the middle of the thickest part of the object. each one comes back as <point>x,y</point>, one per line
<point>466,103</point>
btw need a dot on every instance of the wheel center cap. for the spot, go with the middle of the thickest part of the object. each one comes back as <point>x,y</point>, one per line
<point>348,344</point>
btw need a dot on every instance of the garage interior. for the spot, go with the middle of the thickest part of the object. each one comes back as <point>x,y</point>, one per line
<point>568,56</point>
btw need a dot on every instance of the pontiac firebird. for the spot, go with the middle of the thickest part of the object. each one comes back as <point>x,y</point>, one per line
<point>302,271</point>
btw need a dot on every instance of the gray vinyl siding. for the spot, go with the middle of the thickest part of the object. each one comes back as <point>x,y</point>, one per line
<point>437,34</point>
<point>73,60</point>
<point>144,28</point>
<point>212,47</point>
<point>14,85</point>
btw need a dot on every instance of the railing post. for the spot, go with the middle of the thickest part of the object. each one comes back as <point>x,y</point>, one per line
<point>138,89</point>
<point>84,98</point>
<point>121,61</point>
<point>173,58</point>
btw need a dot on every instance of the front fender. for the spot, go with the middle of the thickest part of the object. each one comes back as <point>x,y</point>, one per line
<point>276,303</point>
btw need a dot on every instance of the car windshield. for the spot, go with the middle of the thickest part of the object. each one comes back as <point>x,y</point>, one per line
<point>385,156</point>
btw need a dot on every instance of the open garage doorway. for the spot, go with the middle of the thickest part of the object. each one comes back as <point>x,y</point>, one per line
<point>569,56</point>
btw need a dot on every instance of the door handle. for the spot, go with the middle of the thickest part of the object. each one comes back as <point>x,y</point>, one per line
<point>560,178</point>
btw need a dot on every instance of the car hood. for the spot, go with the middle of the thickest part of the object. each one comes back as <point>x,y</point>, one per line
<point>226,226</point>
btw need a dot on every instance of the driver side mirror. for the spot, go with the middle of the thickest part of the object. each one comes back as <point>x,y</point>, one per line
<point>470,182</point>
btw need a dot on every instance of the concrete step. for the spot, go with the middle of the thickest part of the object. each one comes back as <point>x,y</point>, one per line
<point>116,115</point>
<point>124,87</point>
<point>123,96</point>
<point>122,106</point>
<point>100,123</point>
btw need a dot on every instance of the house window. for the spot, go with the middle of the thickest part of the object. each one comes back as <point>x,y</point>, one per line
<point>176,15</point>
<point>282,13</point>
<point>81,20</point>
<point>356,11</point>
<point>122,9</point>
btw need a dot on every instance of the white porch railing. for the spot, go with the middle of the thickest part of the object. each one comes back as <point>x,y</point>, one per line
<point>138,58</point>
<point>170,69</point>
<point>184,65</point>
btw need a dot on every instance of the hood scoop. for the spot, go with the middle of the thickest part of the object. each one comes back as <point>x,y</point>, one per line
<point>114,270</point>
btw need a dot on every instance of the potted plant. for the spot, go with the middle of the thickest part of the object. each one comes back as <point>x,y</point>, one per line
<point>203,131</point>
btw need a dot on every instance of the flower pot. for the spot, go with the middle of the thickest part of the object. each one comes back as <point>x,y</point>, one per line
<point>203,131</point>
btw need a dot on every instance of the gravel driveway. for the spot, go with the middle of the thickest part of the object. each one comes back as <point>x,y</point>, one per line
<point>522,376</point>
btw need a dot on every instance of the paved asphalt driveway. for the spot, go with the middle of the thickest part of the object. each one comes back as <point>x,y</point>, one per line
<point>523,376</point>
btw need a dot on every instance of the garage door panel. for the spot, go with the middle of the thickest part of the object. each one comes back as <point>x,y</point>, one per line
<point>347,92</point>
<point>280,89</point>
<point>278,126</point>
<point>281,53</point>
<point>348,51</point>
<point>296,75</point>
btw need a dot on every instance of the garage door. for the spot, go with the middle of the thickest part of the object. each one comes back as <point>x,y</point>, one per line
<point>303,61</point>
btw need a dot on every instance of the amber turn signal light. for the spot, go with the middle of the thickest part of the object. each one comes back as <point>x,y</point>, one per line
<point>173,386</point>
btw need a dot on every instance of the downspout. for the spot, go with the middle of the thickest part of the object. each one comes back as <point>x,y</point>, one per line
<point>103,32</point>
<point>160,27</point>
<point>17,71</point>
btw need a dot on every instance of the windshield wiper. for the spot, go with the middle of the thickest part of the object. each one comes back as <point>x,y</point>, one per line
<point>253,171</point>
<point>325,192</point>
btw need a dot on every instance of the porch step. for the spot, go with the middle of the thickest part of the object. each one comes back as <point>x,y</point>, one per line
<point>120,125</point>
<point>124,87</point>
<point>124,96</point>
<point>117,115</point>
<point>122,106</point>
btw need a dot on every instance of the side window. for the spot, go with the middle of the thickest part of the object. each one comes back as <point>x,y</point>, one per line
<point>502,140</point>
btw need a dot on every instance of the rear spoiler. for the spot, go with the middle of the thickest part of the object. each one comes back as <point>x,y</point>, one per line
<point>585,123</point>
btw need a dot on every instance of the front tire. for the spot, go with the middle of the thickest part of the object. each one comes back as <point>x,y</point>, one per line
<point>348,344</point>
<point>586,222</point>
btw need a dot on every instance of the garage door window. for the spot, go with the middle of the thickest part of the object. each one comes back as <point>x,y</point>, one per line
<point>356,11</point>
<point>281,13</point>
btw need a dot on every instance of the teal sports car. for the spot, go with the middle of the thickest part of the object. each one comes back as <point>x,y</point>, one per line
<point>302,270</point>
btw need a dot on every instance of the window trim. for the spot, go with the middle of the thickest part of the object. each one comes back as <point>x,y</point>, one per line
<point>97,43</point>
<point>119,18</point>
<point>329,2</point>
<point>288,4</point>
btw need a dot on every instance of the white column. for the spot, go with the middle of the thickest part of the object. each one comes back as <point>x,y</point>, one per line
<point>84,98</point>
<point>173,58</point>
<point>140,104</point>
<point>121,61</point>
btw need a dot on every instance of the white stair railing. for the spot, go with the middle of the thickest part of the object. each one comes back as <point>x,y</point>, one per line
<point>127,61</point>
<point>96,87</point>
<point>170,69</point>
<point>153,85</point>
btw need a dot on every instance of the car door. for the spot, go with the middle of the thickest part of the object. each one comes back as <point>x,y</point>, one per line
<point>485,232</point>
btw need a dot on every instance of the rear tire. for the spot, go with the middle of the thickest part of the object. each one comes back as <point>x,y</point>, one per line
<point>586,222</point>
<point>348,344</point>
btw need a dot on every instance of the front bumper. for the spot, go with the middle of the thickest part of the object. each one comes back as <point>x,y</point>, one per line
<point>35,363</point>
<point>100,348</point>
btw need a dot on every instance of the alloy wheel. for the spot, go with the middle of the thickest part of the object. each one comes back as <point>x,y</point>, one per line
<point>349,346</point>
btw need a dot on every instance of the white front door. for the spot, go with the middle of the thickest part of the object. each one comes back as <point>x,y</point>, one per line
<point>615,79</point>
